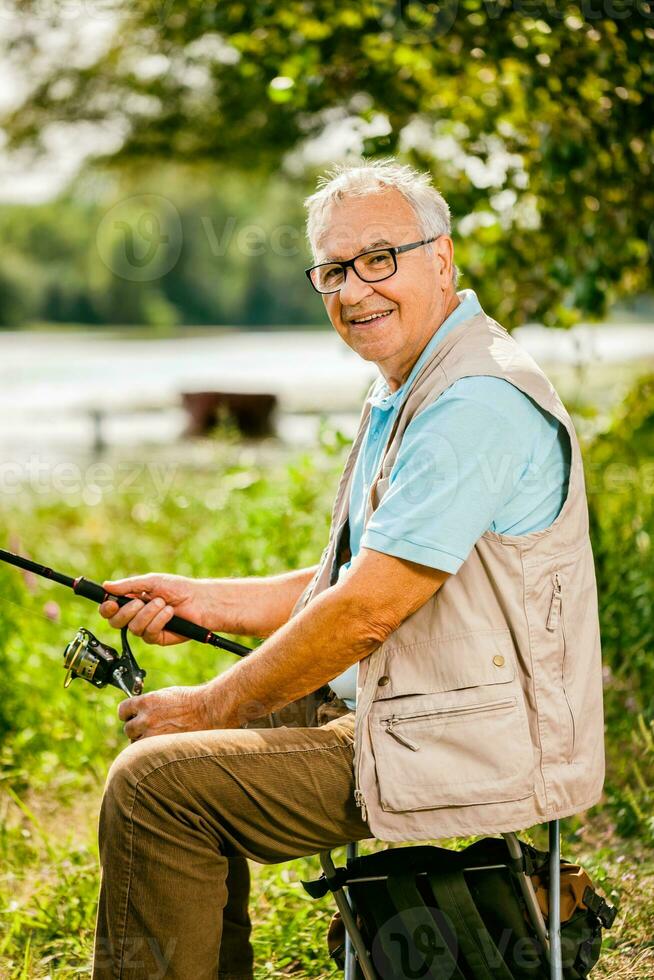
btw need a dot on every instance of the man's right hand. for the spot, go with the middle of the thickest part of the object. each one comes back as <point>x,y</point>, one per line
<point>155,600</point>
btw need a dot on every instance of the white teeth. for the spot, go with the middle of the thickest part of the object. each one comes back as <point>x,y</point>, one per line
<point>373,316</point>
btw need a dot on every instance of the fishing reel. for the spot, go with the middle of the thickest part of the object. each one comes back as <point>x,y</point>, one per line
<point>100,664</point>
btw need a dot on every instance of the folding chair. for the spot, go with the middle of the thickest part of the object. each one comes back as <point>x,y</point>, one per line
<point>356,952</point>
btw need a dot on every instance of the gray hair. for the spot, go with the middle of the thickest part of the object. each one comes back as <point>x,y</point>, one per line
<point>371,177</point>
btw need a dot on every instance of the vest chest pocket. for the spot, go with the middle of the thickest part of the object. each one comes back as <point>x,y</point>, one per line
<point>464,746</point>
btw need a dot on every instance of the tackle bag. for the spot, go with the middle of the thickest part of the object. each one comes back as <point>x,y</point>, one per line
<point>429,913</point>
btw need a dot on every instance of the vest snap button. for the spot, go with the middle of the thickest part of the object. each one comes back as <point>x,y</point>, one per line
<point>384,680</point>
<point>498,660</point>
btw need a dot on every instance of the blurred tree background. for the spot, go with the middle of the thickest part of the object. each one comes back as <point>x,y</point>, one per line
<point>233,260</point>
<point>533,117</point>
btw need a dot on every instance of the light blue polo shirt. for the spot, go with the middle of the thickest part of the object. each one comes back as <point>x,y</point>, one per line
<point>484,456</point>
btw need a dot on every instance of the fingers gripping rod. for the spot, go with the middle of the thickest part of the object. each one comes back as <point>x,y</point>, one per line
<point>93,591</point>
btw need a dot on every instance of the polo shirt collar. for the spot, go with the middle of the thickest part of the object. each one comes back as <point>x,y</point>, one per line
<point>381,397</point>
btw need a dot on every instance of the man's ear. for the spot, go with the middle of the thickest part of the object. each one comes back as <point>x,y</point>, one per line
<point>444,247</point>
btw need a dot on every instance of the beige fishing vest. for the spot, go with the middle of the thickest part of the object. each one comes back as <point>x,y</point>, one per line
<point>482,713</point>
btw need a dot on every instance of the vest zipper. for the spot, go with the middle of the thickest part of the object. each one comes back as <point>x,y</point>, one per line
<point>358,739</point>
<point>360,802</point>
<point>452,710</point>
<point>553,619</point>
<point>555,604</point>
<point>567,700</point>
<point>390,728</point>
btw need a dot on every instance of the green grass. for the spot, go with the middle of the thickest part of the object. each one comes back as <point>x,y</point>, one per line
<point>241,512</point>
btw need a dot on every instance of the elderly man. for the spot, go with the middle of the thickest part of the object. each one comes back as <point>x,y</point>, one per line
<point>453,613</point>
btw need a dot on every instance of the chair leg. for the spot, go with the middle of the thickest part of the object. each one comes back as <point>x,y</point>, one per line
<point>349,922</point>
<point>529,893</point>
<point>556,964</point>
<point>350,958</point>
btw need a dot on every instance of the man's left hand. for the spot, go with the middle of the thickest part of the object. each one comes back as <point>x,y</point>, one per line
<point>168,711</point>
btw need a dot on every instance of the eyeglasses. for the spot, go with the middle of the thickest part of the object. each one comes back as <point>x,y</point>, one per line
<point>374,266</point>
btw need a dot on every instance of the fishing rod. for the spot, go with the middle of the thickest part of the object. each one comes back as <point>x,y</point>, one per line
<point>94,661</point>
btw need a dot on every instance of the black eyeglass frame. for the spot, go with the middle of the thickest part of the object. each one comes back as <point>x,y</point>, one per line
<point>394,250</point>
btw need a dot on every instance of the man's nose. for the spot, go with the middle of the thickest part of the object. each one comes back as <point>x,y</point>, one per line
<point>354,289</point>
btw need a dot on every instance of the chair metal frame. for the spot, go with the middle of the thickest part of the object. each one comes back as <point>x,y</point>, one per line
<point>355,948</point>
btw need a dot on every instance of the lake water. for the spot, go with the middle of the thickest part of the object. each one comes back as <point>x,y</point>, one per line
<point>52,382</point>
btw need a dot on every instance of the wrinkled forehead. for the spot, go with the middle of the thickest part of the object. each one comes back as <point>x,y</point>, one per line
<point>355,224</point>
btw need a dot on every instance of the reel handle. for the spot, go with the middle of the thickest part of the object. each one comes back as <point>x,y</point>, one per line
<point>184,627</point>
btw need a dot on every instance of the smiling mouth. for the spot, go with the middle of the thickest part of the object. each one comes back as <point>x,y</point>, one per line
<point>370,318</point>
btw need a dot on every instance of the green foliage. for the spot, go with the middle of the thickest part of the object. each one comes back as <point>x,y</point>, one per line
<point>620,483</point>
<point>295,943</point>
<point>533,118</point>
<point>10,591</point>
<point>240,518</point>
<point>633,803</point>
<point>222,252</point>
<point>55,926</point>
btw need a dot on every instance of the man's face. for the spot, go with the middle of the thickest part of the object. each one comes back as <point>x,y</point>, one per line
<point>413,301</point>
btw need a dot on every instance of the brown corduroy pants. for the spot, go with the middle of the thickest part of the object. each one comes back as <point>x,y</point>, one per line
<point>180,816</point>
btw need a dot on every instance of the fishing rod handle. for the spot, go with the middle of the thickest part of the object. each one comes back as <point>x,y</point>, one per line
<point>183,627</point>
